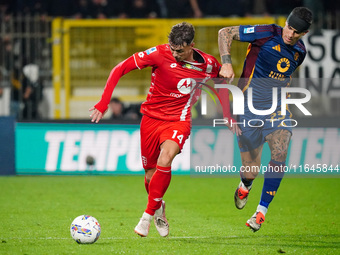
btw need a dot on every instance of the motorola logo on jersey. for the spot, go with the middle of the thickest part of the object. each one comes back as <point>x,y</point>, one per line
<point>185,85</point>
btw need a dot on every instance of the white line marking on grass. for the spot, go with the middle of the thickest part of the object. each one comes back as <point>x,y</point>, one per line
<point>113,238</point>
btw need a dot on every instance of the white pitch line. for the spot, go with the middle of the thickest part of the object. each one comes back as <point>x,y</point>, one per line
<point>111,238</point>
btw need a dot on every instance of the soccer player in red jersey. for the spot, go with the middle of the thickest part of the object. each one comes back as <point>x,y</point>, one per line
<point>166,121</point>
<point>274,53</point>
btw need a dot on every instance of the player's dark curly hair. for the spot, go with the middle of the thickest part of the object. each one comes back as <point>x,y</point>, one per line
<point>182,33</point>
<point>303,13</point>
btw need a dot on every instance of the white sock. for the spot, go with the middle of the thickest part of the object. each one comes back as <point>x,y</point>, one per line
<point>147,216</point>
<point>262,209</point>
<point>159,211</point>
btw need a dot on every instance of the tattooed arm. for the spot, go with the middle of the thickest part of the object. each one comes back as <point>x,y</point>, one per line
<point>225,37</point>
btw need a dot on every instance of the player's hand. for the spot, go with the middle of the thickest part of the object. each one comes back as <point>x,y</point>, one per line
<point>234,128</point>
<point>96,115</point>
<point>227,71</point>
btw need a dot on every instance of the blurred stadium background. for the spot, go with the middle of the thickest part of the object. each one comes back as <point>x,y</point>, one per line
<point>54,63</point>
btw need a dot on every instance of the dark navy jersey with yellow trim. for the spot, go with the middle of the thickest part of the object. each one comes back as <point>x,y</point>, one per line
<point>269,62</point>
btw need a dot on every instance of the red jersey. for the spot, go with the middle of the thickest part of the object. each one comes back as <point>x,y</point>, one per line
<point>169,96</point>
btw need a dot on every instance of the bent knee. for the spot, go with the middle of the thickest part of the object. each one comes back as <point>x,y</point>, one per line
<point>169,150</point>
<point>165,159</point>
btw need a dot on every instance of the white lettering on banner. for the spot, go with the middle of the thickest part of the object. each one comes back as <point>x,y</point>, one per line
<point>133,157</point>
<point>71,151</point>
<point>224,147</point>
<point>315,146</point>
<point>296,144</point>
<point>211,147</point>
<point>67,150</point>
<point>54,140</point>
<point>182,160</point>
<point>320,72</point>
<point>331,148</point>
<point>93,144</point>
<point>119,146</point>
<point>201,143</point>
<point>107,147</point>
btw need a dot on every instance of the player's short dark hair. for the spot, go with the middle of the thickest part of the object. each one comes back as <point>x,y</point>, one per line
<point>115,100</point>
<point>303,13</point>
<point>182,33</point>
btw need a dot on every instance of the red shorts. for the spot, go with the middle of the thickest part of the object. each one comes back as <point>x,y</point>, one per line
<point>154,132</point>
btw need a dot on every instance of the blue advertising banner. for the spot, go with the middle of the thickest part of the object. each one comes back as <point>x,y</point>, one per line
<point>7,156</point>
<point>45,148</point>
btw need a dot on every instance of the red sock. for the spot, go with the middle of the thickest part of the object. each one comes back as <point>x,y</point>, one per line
<point>146,185</point>
<point>157,187</point>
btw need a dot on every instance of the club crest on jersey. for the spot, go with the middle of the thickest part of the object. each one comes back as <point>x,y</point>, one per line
<point>249,30</point>
<point>283,65</point>
<point>187,65</point>
<point>296,56</point>
<point>151,50</point>
<point>185,85</point>
<point>144,160</point>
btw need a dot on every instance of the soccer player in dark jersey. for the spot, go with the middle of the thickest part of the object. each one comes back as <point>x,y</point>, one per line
<point>274,53</point>
<point>166,121</point>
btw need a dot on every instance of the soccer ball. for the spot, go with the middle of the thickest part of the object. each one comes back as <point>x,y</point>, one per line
<point>85,229</point>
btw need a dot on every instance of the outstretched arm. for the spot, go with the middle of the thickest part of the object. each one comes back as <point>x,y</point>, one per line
<point>225,37</point>
<point>100,108</point>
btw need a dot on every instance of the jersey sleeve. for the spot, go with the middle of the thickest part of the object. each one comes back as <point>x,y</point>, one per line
<point>216,68</point>
<point>138,60</point>
<point>302,50</point>
<point>250,33</point>
<point>150,57</point>
<point>223,94</point>
<point>116,73</point>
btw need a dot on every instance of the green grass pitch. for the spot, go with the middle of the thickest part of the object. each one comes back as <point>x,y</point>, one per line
<point>36,213</point>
